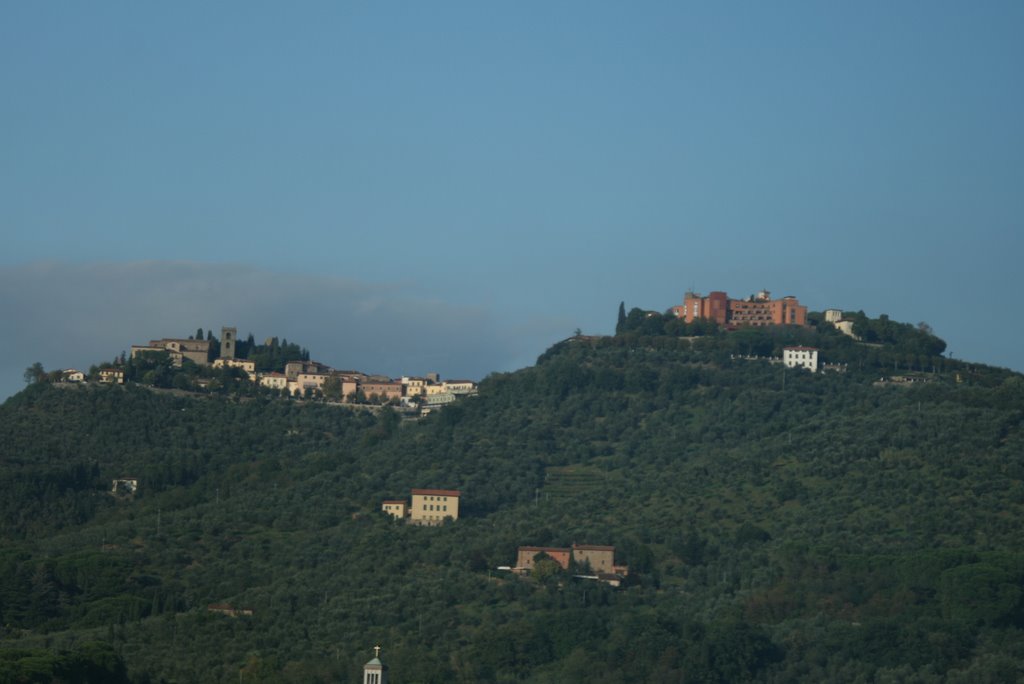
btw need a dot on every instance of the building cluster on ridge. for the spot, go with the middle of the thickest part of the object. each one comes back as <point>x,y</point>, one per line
<point>300,378</point>
<point>757,310</point>
<point>761,310</point>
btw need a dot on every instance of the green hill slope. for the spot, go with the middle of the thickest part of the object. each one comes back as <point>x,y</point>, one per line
<point>779,526</point>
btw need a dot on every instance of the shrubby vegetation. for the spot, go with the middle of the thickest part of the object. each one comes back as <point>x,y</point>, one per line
<point>781,526</point>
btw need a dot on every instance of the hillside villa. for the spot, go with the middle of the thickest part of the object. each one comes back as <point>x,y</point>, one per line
<point>429,507</point>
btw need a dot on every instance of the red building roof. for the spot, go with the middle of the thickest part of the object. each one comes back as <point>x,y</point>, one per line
<point>437,492</point>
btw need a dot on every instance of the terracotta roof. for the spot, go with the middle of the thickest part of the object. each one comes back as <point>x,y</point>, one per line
<point>437,492</point>
<point>394,501</point>
<point>592,547</point>
<point>545,549</point>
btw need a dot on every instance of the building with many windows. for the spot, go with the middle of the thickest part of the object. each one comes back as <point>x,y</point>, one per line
<point>756,310</point>
<point>800,357</point>
<point>433,506</point>
<point>428,507</point>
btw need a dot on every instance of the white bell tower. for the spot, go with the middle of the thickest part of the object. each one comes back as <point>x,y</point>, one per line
<point>375,672</point>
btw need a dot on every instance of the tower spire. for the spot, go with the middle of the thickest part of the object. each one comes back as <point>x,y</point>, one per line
<point>375,672</point>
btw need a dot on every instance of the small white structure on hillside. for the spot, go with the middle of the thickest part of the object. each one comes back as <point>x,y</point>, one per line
<point>800,357</point>
<point>833,315</point>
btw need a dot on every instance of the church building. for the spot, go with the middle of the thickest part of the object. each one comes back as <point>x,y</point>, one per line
<point>374,671</point>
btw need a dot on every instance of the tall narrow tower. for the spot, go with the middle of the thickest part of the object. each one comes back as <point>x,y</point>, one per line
<point>375,672</point>
<point>228,336</point>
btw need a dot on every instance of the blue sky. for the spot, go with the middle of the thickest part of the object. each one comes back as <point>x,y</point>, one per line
<point>453,186</point>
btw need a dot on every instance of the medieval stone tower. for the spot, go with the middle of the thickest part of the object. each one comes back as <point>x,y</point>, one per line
<point>228,337</point>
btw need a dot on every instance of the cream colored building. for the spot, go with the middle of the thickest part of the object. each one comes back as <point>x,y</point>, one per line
<point>459,386</point>
<point>349,386</point>
<point>72,375</point>
<point>433,506</point>
<point>309,381</point>
<point>396,508</point>
<point>294,368</point>
<point>413,387</point>
<point>274,380</point>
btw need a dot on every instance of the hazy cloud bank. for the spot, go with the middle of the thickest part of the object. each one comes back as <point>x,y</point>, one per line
<point>74,315</point>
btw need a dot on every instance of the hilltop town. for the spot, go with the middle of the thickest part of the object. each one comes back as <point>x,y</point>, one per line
<point>792,335</point>
<point>204,363</point>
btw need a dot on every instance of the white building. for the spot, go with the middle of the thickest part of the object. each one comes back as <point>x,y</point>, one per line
<point>800,357</point>
<point>248,366</point>
<point>72,375</point>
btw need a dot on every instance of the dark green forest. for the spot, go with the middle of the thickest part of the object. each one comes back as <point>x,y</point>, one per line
<point>779,525</point>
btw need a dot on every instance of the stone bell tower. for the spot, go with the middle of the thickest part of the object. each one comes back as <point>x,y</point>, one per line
<point>228,337</point>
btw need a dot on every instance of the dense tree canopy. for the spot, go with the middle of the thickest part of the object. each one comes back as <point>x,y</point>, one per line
<point>793,527</point>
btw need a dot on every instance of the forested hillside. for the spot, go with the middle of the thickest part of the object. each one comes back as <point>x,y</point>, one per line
<point>779,525</point>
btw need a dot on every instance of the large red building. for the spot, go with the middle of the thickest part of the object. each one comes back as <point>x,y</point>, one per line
<point>759,309</point>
